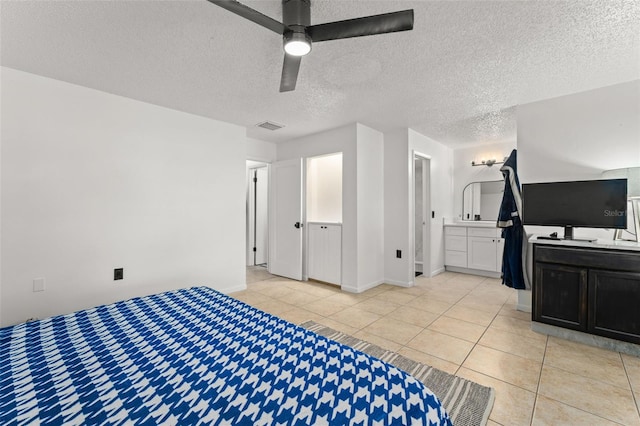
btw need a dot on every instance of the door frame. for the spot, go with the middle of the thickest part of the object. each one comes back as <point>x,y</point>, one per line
<point>427,209</point>
<point>248,213</point>
<point>252,218</point>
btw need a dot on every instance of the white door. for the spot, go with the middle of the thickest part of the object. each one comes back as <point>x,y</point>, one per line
<point>285,219</point>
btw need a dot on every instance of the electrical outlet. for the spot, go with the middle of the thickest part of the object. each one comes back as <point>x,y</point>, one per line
<point>118,274</point>
<point>399,254</point>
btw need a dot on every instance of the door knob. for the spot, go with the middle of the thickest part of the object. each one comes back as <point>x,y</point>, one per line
<point>298,225</point>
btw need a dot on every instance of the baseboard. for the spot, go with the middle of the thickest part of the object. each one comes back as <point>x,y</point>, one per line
<point>489,274</point>
<point>362,289</point>
<point>228,290</point>
<point>399,283</point>
<point>437,271</point>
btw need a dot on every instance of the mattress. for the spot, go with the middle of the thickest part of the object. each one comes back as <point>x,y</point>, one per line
<point>196,356</point>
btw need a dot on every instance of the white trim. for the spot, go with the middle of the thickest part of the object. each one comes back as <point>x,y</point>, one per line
<point>399,283</point>
<point>362,289</point>
<point>488,274</point>
<point>231,289</point>
<point>437,272</point>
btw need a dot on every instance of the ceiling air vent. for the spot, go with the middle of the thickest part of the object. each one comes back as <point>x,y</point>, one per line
<point>270,125</point>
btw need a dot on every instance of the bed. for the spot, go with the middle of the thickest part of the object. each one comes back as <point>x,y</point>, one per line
<point>196,356</point>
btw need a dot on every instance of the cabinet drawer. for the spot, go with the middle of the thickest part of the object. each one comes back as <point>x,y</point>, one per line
<point>455,258</point>
<point>455,243</point>
<point>455,230</point>
<point>483,232</point>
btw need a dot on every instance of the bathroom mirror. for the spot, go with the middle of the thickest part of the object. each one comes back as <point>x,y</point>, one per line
<point>481,200</point>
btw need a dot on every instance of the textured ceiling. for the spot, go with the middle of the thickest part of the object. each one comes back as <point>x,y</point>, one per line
<point>456,77</point>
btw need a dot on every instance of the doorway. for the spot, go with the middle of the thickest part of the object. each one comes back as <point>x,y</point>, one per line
<point>257,213</point>
<point>422,215</point>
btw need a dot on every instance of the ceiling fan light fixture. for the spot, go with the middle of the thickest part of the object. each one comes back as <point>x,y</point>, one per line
<point>297,44</point>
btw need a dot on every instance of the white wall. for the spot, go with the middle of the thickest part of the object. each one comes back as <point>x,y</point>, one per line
<point>399,147</point>
<point>578,137</point>
<point>93,182</point>
<point>324,188</point>
<point>464,173</point>
<point>370,205</point>
<point>342,139</point>
<point>396,208</point>
<point>362,197</point>
<point>441,180</point>
<point>262,151</point>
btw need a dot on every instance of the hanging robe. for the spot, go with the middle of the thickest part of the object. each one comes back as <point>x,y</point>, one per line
<point>509,219</point>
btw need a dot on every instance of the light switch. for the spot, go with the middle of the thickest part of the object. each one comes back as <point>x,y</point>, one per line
<point>38,284</point>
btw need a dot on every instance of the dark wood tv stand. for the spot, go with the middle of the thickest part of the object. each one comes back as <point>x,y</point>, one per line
<point>589,287</point>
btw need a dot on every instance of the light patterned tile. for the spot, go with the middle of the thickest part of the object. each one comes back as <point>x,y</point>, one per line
<point>513,343</point>
<point>298,298</point>
<point>632,366</point>
<point>442,346</point>
<point>513,406</point>
<point>377,306</point>
<point>509,310</point>
<point>321,307</point>
<point>591,351</point>
<point>588,395</point>
<point>346,298</point>
<point>355,317</point>
<point>425,303</point>
<point>473,303</point>
<point>413,316</point>
<point>513,325</point>
<point>509,368</point>
<point>470,315</point>
<point>549,412</point>
<point>395,297</point>
<point>394,330</point>
<point>595,363</point>
<point>457,328</point>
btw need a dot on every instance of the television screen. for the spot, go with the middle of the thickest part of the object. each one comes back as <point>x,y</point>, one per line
<point>588,204</point>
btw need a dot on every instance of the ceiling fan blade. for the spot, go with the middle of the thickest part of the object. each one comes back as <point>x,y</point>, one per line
<point>368,25</point>
<point>289,72</point>
<point>251,14</point>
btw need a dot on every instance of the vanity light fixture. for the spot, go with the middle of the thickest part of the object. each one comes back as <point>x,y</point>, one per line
<point>489,163</point>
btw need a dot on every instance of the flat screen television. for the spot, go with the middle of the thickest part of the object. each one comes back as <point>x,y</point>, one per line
<point>584,204</point>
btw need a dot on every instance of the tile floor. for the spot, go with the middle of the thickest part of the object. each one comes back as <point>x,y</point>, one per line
<point>468,326</point>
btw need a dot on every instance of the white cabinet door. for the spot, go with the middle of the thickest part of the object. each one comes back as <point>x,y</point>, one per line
<point>481,253</point>
<point>333,264</point>
<point>325,252</point>
<point>316,247</point>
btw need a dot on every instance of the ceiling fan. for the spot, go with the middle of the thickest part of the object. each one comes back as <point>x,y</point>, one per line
<point>298,33</point>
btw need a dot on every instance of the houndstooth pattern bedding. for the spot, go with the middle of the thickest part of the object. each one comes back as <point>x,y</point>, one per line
<point>195,356</point>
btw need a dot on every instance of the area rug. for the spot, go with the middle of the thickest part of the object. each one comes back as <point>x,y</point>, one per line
<point>467,402</point>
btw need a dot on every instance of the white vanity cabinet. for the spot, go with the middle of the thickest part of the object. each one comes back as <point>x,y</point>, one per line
<point>473,248</point>
<point>455,246</point>
<point>325,252</point>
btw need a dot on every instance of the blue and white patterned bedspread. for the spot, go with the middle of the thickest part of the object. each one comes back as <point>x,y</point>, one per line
<point>196,356</point>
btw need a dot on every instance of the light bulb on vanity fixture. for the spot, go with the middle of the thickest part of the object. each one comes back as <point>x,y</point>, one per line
<point>488,163</point>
